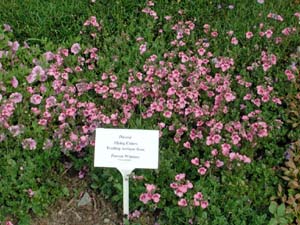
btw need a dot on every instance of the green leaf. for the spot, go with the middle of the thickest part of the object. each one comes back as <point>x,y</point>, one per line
<point>65,191</point>
<point>273,207</point>
<point>273,221</point>
<point>283,221</point>
<point>281,210</point>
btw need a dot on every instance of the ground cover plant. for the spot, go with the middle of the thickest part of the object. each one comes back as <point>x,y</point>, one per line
<point>218,82</point>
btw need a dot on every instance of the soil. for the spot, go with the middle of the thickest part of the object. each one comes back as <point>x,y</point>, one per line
<point>97,211</point>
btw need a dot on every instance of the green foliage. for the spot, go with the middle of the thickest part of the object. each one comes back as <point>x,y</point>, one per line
<point>279,213</point>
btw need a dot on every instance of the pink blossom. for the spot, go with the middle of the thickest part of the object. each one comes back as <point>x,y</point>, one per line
<point>36,99</point>
<point>235,139</point>
<point>225,149</point>
<point>268,33</point>
<point>182,202</point>
<point>195,161</point>
<point>204,204</point>
<point>29,143</point>
<point>219,163</point>
<point>167,114</point>
<point>145,197</point>
<point>7,28</point>
<point>180,176</point>
<point>16,97</point>
<point>187,145</point>
<point>68,145</point>
<point>30,193</point>
<point>229,97</point>
<point>217,138</point>
<point>49,56</point>
<point>214,152</point>
<point>2,137</point>
<point>14,45</point>
<point>16,130</point>
<point>198,196</point>
<point>8,223</point>
<point>47,144</point>
<point>202,170</point>
<point>196,202</point>
<point>207,164</point>
<point>156,197</point>
<point>234,41</point>
<point>249,35</point>
<point>214,34</point>
<point>289,74</point>
<point>150,188</point>
<point>143,48</point>
<point>14,82</point>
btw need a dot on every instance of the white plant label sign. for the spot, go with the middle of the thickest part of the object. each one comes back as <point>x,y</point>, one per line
<point>126,149</point>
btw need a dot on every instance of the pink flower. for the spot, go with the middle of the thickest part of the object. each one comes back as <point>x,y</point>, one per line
<point>16,130</point>
<point>7,28</point>
<point>145,197</point>
<point>235,139</point>
<point>8,223</point>
<point>202,170</point>
<point>229,97</point>
<point>29,143</point>
<point>180,176</point>
<point>182,202</point>
<point>214,34</point>
<point>214,152</point>
<point>207,164</point>
<point>268,33</point>
<point>49,56</point>
<point>14,82</point>
<point>14,45</point>
<point>167,114</point>
<point>249,35</point>
<point>217,138</point>
<point>219,163</point>
<point>289,74</point>
<point>187,145</point>
<point>143,48</point>
<point>204,204</point>
<point>225,149</point>
<point>68,145</point>
<point>195,161</point>
<point>234,41</point>
<point>75,49</point>
<point>36,99</point>
<point>198,196</point>
<point>30,193</point>
<point>16,97</point>
<point>156,197</point>
<point>150,188</point>
<point>196,202</point>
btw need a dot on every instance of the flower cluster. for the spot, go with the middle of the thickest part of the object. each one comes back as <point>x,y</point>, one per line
<point>181,187</point>
<point>150,194</point>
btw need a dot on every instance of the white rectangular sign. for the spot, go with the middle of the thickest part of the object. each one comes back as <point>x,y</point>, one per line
<point>126,149</point>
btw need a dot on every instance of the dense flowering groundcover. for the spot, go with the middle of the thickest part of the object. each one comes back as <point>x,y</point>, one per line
<point>217,96</point>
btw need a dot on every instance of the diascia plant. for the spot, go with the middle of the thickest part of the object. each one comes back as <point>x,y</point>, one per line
<point>212,110</point>
<point>27,172</point>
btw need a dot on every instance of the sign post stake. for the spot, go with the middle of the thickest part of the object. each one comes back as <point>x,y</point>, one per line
<point>125,176</point>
